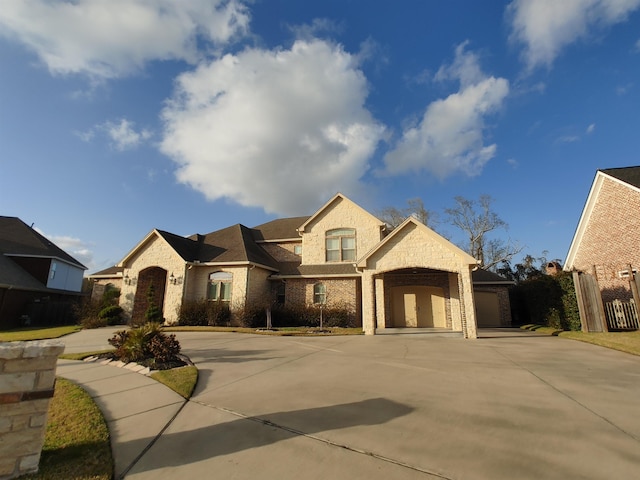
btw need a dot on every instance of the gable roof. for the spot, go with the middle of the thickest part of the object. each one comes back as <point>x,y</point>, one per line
<point>234,244</point>
<point>336,197</point>
<point>279,229</point>
<point>13,276</point>
<point>111,272</point>
<point>630,175</point>
<point>626,176</point>
<point>485,277</point>
<point>19,239</point>
<point>362,263</point>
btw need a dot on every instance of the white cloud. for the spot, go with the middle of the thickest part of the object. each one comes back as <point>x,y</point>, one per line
<point>450,136</point>
<point>123,135</point>
<point>568,139</point>
<point>513,162</point>
<point>281,130</point>
<point>590,129</point>
<point>545,27</point>
<point>77,248</point>
<point>113,38</point>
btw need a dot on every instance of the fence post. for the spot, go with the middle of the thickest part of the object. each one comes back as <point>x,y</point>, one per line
<point>581,306</point>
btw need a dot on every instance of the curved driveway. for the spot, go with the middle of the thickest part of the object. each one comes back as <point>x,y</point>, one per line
<point>510,405</point>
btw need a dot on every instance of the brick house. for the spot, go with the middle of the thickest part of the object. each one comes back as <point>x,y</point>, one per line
<point>606,240</point>
<point>341,256</point>
<point>38,280</point>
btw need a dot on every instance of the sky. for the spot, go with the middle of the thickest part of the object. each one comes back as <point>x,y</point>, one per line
<point>121,116</point>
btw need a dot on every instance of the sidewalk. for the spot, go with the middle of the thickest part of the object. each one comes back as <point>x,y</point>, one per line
<point>137,408</point>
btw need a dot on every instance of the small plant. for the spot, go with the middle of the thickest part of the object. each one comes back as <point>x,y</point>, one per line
<point>147,345</point>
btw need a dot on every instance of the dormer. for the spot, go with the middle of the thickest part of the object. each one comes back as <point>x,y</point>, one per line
<point>339,232</point>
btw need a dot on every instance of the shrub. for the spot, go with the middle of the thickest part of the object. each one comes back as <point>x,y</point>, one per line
<point>153,313</point>
<point>112,314</point>
<point>145,344</point>
<point>204,312</point>
<point>93,322</point>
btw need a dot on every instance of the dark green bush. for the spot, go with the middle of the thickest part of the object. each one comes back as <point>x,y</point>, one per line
<point>548,300</point>
<point>298,316</point>
<point>204,312</point>
<point>112,314</point>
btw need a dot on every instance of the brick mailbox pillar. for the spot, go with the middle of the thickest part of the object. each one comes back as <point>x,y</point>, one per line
<point>27,378</point>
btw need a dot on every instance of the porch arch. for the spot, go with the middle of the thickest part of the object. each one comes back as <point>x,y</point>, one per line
<point>156,276</point>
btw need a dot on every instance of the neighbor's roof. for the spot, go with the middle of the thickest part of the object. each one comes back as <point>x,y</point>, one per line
<point>13,276</point>
<point>485,277</point>
<point>110,272</point>
<point>630,175</point>
<point>19,239</point>
<point>279,229</point>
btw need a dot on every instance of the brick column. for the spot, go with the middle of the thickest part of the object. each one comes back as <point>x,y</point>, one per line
<point>27,378</point>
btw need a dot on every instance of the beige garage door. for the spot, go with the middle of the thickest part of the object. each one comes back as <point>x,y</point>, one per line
<point>419,307</point>
<point>487,309</point>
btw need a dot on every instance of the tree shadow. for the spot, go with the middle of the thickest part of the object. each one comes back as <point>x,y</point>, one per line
<point>185,447</point>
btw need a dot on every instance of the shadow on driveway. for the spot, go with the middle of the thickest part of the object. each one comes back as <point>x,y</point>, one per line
<point>181,446</point>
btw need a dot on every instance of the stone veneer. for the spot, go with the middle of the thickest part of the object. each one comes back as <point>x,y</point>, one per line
<point>27,379</point>
<point>610,243</point>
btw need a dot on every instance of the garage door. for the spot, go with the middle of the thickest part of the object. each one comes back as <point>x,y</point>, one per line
<point>487,309</point>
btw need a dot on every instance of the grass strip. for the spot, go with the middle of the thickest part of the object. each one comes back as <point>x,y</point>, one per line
<point>628,342</point>
<point>181,380</point>
<point>280,331</point>
<point>76,444</point>
<point>37,333</point>
<point>83,355</point>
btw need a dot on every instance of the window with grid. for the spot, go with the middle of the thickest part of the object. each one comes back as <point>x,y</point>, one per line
<point>320,293</point>
<point>219,286</point>
<point>340,245</point>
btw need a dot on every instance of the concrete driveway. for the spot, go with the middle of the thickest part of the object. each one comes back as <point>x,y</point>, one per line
<point>510,405</point>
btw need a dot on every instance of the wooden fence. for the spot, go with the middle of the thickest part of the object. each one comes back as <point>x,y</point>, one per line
<point>598,317</point>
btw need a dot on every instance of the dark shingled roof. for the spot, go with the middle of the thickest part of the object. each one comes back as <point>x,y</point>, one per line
<point>630,175</point>
<point>279,229</point>
<point>294,268</point>
<point>17,238</point>
<point>231,244</point>
<point>109,272</point>
<point>11,274</point>
<point>485,276</point>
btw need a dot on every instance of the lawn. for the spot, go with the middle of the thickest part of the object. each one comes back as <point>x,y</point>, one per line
<point>628,342</point>
<point>37,333</point>
<point>76,444</point>
<point>181,380</point>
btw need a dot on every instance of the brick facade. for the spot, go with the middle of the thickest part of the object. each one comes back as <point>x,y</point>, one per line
<point>27,379</point>
<point>610,240</point>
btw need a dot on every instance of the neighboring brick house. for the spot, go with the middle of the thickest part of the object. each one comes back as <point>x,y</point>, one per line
<point>607,239</point>
<point>341,256</point>
<point>38,280</point>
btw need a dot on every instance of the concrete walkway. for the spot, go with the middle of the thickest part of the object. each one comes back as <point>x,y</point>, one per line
<point>509,405</point>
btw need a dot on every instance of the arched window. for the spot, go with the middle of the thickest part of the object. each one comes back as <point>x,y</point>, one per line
<point>320,293</point>
<point>340,245</point>
<point>219,287</point>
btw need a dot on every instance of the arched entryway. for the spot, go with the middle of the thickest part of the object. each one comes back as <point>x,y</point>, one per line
<point>155,276</point>
<point>415,298</point>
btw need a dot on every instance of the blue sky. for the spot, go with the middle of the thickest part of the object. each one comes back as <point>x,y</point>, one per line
<point>120,116</point>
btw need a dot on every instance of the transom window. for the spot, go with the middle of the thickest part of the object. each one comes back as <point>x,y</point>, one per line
<point>320,293</point>
<point>219,287</point>
<point>341,245</point>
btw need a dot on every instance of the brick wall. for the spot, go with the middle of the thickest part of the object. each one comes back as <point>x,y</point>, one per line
<point>610,240</point>
<point>342,292</point>
<point>27,378</point>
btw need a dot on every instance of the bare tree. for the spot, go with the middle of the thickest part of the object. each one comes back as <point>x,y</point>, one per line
<point>393,216</point>
<point>476,220</point>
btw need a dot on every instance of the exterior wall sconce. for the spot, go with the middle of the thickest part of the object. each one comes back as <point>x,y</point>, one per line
<point>128,280</point>
<point>173,280</point>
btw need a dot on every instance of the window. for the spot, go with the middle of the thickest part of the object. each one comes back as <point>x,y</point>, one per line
<point>52,273</point>
<point>297,249</point>
<point>341,245</point>
<point>280,294</point>
<point>320,293</point>
<point>219,287</point>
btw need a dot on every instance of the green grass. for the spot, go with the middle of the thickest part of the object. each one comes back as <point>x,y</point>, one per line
<point>181,380</point>
<point>76,444</point>
<point>281,331</point>
<point>37,333</point>
<point>628,342</point>
<point>82,356</point>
